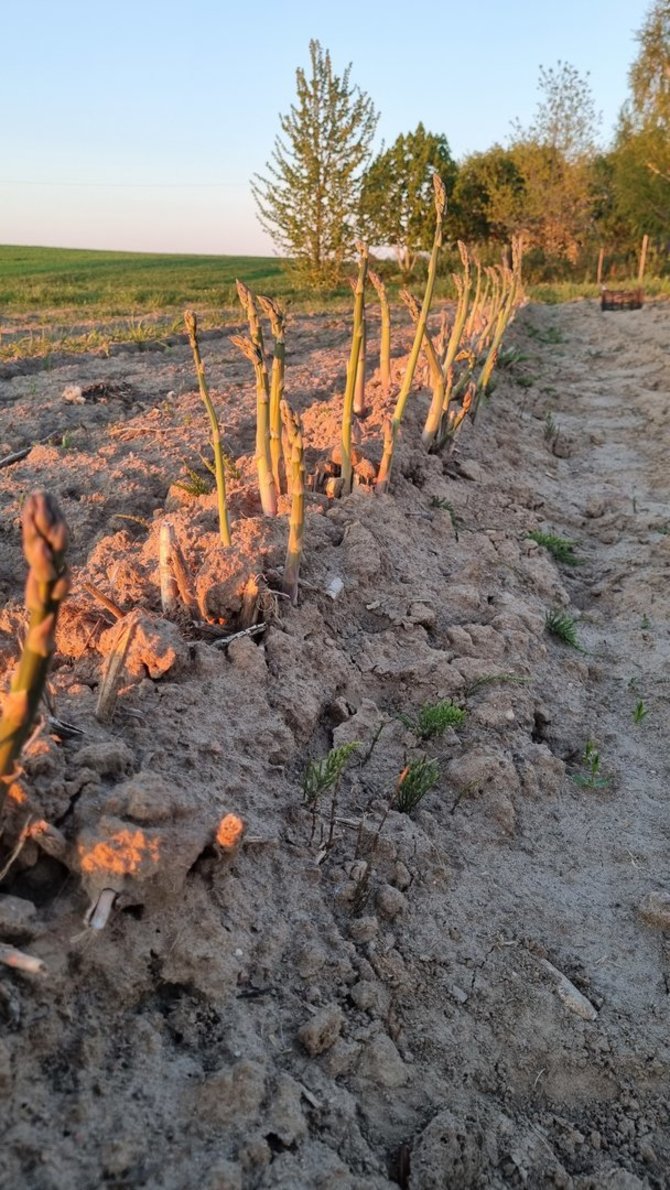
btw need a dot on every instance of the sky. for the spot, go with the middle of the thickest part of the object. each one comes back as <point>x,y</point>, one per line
<point>138,124</point>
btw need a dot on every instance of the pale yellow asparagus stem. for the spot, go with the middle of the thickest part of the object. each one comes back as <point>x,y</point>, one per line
<point>359,391</point>
<point>44,543</point>
<point>192,332</point>
<point>352,369</point>
<point>440,405</point>
<point>429,348</point>
<point>385,342</point>
<point>293,428</point>
<point>463,290</point>
<point>248,302</point>
<point>436,374</point>
<point>274,312</point>
<point>475,301</point>
<point>502,321</point>
<point>266,483</point>
<point>387,459</point>
<point>458,415</point>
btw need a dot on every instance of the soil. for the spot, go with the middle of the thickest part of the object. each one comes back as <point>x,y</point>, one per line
<point>474,994</point>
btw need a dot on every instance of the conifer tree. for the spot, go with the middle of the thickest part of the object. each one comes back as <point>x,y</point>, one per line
<point>309,196</point>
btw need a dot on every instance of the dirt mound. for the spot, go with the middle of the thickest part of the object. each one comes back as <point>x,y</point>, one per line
<point>473,994</point>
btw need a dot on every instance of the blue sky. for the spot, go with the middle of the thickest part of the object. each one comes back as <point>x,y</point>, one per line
<point>138,125</point>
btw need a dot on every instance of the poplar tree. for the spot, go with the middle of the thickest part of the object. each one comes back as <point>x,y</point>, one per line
<point>308,198</point>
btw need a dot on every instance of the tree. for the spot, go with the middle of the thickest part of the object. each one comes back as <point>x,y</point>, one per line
<point>554,156</point>
<point>308,200</point>
<point>397,207</point>
<point>641,155</point>
<point>489,196</point>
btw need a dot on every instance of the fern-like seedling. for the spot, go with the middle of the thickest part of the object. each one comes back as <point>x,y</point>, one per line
<point>560,548</point>
<point>434,719</point>
<point>562,626</point>
<point>414,782</point>
<point>592,778</point>
<point>322,775</point>
<point>196,485</point>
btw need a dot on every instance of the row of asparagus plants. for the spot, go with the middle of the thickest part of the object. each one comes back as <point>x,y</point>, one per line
<point>460,363</point>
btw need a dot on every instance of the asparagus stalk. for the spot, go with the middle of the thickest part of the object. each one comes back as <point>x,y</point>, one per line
<point>192,332</point>
<point>274,312</point>
<point>359,392</point>
<point>266,483</point>
<point>293,428</point>
<point>352,368</point>
<point>385,343</point>
<point>44,543</point>
<point>387,459</point>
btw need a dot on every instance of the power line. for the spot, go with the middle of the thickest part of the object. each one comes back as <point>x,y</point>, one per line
<point>130,185</point>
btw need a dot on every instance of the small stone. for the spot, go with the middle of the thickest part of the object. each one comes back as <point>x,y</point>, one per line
<point>363,929</point>
<point>381,1063</point>
<point>655,909</point>
<point>322,1031</point>
<point>471,470</point>
<point>402,877</point>
<point>310,960</point>
<point>365,995</point>
<point>5,1069</point>
<point>390,902</point>
<point>74,395</point>
<point>595,507</point>
<point>562,446</point>
<point>109,758</point>
<point>424,614</point>
<point>224,1175</point>
<point>16,918</point>
<point>458,994</point>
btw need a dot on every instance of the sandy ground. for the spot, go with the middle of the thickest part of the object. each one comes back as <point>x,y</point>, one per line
<point>473,995</point>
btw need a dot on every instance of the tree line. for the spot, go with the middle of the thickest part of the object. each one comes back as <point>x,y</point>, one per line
<point>569,197</point>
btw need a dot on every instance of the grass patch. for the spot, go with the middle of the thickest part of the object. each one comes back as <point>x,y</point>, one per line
<point>434,719</point>
<point>562,626</point>
<point>414,783</point>
<point>560,548</point>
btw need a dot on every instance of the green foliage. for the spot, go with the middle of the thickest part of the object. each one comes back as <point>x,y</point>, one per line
<point>550,427</point>
<point>434,719</point>
<point>195,485</point>
<point>325,774</point>
<point>640,711</point>
<point>308,200</point>
<point>415,781</point>
<point>592,778</point>
<point>562,626</point>
<point>554,155</point>
<point>397,196</point>
<point>561,548</point>
<point>488,196</point>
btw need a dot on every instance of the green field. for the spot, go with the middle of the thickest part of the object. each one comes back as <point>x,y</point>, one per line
<point>67,299</point>
<point>122,283</point>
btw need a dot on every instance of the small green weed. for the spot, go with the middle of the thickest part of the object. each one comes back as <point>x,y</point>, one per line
<point>645,623</point>
<point>325,774</point>
<point>196,485</point>
<point>434,719</point>
<point>640,711</point>
<point>562,626</point>
<point>592,778</point>
<point>560,548</point>
<point>550,427</point>
<point>502,679</point>
<point>446,506</point>
<point>414,782</point>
